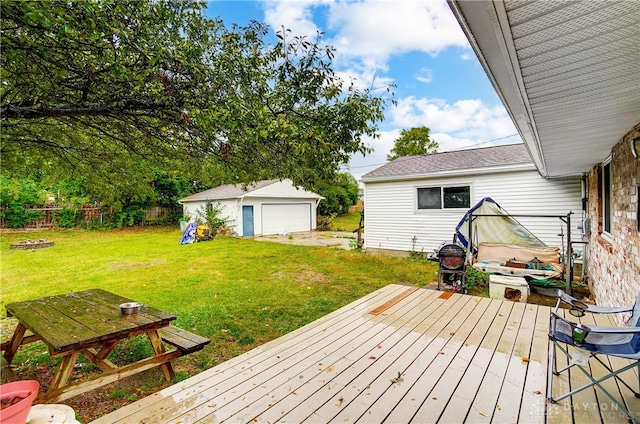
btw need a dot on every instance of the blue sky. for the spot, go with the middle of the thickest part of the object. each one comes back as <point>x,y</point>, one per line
<point>416,45</point>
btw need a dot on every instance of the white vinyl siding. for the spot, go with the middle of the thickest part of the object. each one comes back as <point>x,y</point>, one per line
<point>192,209</point>
<point>392,221</point>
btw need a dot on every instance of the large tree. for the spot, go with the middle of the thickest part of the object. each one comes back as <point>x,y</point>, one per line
<point>113,90</point>
<point>339,194</point>
<point>413,142</point>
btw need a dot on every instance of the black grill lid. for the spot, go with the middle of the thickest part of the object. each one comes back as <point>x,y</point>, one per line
<point>451,250</point>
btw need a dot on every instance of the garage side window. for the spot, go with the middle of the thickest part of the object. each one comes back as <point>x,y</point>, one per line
<point>456,197</point>
<point>429,198</point>
<point>444,197</point>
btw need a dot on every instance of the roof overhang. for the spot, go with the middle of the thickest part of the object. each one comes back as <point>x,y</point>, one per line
<point>465,172</point>
<point>566,71</point>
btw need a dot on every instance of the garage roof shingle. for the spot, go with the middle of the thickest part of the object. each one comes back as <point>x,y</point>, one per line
<point>227,191</point>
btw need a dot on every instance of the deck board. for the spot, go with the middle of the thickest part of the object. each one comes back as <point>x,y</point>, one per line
<point>396,355</point>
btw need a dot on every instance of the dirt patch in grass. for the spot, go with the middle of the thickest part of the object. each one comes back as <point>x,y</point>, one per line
<point>133,265</point>
<point>309,277</point>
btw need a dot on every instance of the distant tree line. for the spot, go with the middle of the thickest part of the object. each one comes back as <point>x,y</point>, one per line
<point>19,195</point>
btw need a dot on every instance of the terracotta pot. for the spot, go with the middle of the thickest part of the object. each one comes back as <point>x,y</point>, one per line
<point>26,390</point>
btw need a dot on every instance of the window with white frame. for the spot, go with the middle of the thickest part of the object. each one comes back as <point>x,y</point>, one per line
<point>606,197</point>
<point>458,197</point>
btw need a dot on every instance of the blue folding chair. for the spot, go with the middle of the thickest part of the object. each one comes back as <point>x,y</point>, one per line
<point>623,342</point>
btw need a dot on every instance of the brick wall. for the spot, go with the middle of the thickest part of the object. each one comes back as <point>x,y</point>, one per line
<point>613,262</point>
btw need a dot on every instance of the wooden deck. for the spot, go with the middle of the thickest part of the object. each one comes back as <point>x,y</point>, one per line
<point>398,355</point>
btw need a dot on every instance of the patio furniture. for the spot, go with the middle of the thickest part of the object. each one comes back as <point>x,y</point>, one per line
<point>91,323</point>
<point>591,342</point>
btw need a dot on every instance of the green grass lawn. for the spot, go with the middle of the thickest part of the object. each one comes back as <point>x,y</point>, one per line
<point>346,222</point>
<point>238,292</point>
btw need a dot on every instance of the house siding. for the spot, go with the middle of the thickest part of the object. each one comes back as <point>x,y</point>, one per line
<point>614,259</point>
<point>393,223</point>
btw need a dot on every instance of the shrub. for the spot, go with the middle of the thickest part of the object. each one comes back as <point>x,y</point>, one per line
<point>209,215</point>
<point>129,216</point>
<point>68,217</point>
<point>324,222</point>
<point>474,278</point>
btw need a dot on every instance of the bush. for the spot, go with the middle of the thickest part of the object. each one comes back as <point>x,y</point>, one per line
<point>209,215</point>
<point>129,216</point>
<point>69,217</point>
<point>474,278</point>
<point>324,222</point>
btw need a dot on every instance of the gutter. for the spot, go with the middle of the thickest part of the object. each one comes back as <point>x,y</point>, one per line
<point>452,173</point>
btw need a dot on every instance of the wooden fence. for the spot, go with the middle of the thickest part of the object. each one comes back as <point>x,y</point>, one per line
<point>91,214</point>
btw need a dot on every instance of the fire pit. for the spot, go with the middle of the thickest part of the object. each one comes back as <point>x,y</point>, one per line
<point>32,244</point>
<point>452,259</point>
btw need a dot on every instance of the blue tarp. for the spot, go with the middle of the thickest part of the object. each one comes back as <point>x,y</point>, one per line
<point>189,235</point>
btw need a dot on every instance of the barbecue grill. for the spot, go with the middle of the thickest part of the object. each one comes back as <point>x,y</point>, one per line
<point>452,259</point>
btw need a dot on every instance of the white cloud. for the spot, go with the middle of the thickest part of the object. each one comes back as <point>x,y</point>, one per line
<point>425,75</point>
<point>380,29</point>
<point>292,15</point>
<point>456,125</point>
<point>360,165</point>
<point>367,33</point>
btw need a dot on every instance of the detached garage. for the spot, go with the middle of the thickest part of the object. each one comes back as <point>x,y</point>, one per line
<point>263,208</point>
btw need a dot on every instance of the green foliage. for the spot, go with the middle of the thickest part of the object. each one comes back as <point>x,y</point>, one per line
<point>131,350</point>
<point>353,245</point>
<point>475,278</point>
<point>14,194</point>
<point>69,217</point>
<point>179,376</point>
<point>118,393</point>
<point>339,194</point>
<point>413,142</point>
<point>324,222</point>
<point>210,215</point>
<point>109,91</point>
<point>169,188</point>
<point>129,216</point>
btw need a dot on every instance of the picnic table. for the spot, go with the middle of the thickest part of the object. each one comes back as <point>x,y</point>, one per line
<point>91,323</point>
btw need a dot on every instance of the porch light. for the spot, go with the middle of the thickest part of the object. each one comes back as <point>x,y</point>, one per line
<point>635,147</point>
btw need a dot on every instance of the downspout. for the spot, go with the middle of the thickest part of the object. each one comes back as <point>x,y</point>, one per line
<point>239,216</point>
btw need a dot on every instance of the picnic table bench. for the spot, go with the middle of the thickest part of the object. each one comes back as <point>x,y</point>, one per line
<point>91,323</point>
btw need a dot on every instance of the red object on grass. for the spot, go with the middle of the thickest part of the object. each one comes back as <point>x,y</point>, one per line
<point>25,392</point>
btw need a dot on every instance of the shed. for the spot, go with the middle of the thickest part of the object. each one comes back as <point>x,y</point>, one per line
<point>414,203</point>
<point>262,208</point>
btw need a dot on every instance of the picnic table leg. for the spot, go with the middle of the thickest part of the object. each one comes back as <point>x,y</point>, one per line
<point>158,348</point>
<point>14,344</point>
<point>64,371</point>
<point>99,358</point>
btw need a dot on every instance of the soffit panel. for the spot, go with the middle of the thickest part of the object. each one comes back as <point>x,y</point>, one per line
<point>580,79</point>
<point>566,71</point>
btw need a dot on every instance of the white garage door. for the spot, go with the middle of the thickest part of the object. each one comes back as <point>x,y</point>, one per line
<point>286,218</point>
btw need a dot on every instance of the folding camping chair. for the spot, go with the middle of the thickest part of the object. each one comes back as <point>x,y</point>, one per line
<point>593,340</point>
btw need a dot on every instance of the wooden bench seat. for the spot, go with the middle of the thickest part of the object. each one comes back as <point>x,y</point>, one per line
<point>183,340</point>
